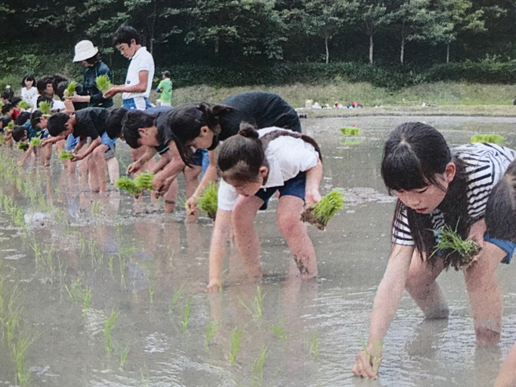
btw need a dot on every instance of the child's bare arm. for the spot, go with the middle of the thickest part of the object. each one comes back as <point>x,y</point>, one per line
<point>313,180</point>
<point>95,143</point>
<point>138,164</point>
<point>26,156</point>
<point>218,248</point>
<point>507,375</point>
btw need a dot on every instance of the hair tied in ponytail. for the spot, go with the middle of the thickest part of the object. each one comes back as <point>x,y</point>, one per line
<point>248,131</point>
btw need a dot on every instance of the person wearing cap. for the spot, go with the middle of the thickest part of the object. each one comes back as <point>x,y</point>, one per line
<point>9,92</point>
<point>88,55</point>
<point>165,88</point>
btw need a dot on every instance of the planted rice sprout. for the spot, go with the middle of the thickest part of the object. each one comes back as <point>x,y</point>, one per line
<point>70,90</point>
<point>123,353</point>
<point>212,327</point>
<point>257,304</point>
<point>208,200</point>
<point>103,83</point>
<point>109,326</point>
<point>489,138</point>
<point>320,214</point>
<point>236,337</point>
<point>45,107</point>
<point>35,142</point>
<point>175,299</point>
<point>314,346</point>
<point>350,131</point>
<point>376,360</point>
<point>186,314</point>
<point>18,349</point>
<point>258,366</point>
<point>65,155</point>
<point>454,250</point>
<point>279,329</point>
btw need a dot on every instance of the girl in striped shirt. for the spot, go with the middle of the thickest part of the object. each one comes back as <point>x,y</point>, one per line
<point>437,186</point>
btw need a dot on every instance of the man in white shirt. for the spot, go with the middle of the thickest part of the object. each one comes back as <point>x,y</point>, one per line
<point>138,82</point>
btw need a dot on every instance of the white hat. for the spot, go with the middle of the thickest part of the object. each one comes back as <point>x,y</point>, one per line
<point>84,50</point>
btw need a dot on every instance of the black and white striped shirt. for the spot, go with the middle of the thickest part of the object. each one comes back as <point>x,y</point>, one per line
<point>485,164</point>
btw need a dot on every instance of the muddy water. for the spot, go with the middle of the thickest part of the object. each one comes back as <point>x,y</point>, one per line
<point>111,254</point>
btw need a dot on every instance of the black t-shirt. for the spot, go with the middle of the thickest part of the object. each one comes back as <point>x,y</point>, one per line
<point>164,132</point>
<point>91,122</point>
<point>259,109</point>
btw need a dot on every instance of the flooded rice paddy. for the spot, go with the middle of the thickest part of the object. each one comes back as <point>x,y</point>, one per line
<point>97,290</point>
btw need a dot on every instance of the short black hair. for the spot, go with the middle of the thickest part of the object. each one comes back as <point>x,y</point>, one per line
<point>124,34</point>
<point>19,132</point>
<point>42,83</point>
<point>114,122</point>
<point>7,107</point>
<point>166,73</point>
<point>15,101</point>
<point>22,118</point>
<point>5,95</point>
<point>134,120</point>
<point>56,123</point>
<point>28,77</point>
<point>35,118</point>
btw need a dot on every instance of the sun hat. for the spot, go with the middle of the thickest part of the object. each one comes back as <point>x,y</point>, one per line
<point>84,50</point>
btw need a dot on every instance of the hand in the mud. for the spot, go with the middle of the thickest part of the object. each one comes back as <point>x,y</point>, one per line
<point>367,364</point>
<point>213,286</point>
<point>312,197</point>
<point>191,206</point>
<point>134,167</point>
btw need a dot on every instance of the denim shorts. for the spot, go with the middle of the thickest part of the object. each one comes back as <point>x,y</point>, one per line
<point>199,156</point>
<point>138,103</point>
<point>506,246</point>
<point>293,187</point>
<point>71,142</point>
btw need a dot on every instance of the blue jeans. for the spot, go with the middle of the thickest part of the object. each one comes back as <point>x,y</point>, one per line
<point>138,103</point>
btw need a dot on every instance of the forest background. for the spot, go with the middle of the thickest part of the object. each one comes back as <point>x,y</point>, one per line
<point>390,45</point>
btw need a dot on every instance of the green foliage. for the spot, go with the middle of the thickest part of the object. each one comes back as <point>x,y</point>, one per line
<point>186,314</point>
<point>144,181</point>
<point>35,142</point>
<point>10,125</point>
<point>103,83</point>
<point>321,213</point>
<point>109,326</point>
<point>489,138</point>
<point>45,107</point>
<point>24,105</point>
<point>258,366</point>
<point>65,155</point>
<point>127,184</point>
<point>236,337</point>
<point>23,146</point>
<point>256,309</point>
<point>70,90</point>
<point>350,131</point>
<point>209,199</point>
<point>455,251</point>
<point>279,329</point>
<point>212,327</point>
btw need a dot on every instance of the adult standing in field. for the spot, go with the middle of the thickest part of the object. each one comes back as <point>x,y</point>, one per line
<point>88,55</point>
<point>165,88</point>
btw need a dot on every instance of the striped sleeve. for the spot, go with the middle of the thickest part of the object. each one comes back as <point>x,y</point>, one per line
<point>401,234</point>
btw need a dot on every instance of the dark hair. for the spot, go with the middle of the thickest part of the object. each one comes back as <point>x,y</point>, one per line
<point>19,132</point>
<point>166,73</point>
<point>7,107</point>
<point>134,120</point>
<point>5,95</point>
<point>15,101</point>
<point>241,156</point>
<point>35,118</point>
<point>56,123</point>
<point>28,77</point>
<point>94,59</point>
<point>44,98</point>
<point>501,207</point>
<point>414,154</point>
<point>114,122</point>
<point>42,83</point>
<point>22,118</point>
<point>58,79</point>
<point>124,34</point>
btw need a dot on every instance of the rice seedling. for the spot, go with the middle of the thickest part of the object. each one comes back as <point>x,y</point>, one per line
<point>95,208</point>
<point>236,337</point>
<point>350,131</point>
<point>376,359</point>
<point>18,349</point>
<point>279,329</point>
<point>127,184</point>
<point>123,353</point>
<point>87,301</point>
<point>49,261</point>
<point>175,299</point>
<point>258,366</point>
<point>65,155</point>
<point>35,142</point>
<point>208,200</point>
<point>454,250</point>
<point>11,322</point>
<point>257,304</point>
<point>489,138</point>
<point>212,327</point>
<point>45,107</point>
<point>144,181</point>
<point>10,126</point>
<point>320,214</point>
<point>109,326</point>
<point>24,105</point>
<point>151,294</point>
<point>314,345</point>
<point>103,83</point>
<point>70,90</point>
<point>186,314</point>
<point>122,266</point>
<point>23,146</point>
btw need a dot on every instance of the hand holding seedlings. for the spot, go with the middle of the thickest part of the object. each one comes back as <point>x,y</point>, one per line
<point>320,214</point>
<point>64,154</point>
<point>208,200</point>
<point>368,361</point>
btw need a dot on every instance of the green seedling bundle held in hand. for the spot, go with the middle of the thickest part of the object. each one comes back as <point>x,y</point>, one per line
<point>45,107</point>
<point>320,214</point>
<point>135,187</point>
<point>208,200</point>
<point>454,250</point>
<point>489,138</point>
<point>144,181</point>
<point>70,90</point>
<point>103,83</point>
<point>23,146</point>
<point>35,142</point>
<point>23,105</point>
<point>10,125</point>
<point>350,131</point>
<point>65,155</point>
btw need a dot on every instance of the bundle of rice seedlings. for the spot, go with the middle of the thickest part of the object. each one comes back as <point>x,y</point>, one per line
<point>144,181</point>
<point>455,251</point>
<point>127,184</point>
<point>24,105</point>
<point>35,142</point>
<point>23,146</point>
<point>10,126</point>
<point>320,214</point>
<point>208,200</point>
<point>65,155</point>
<point>45,107</point>
<point>103,83</point>
<point>350,131</point>
<point>489,138</point>
<point>70,90</point>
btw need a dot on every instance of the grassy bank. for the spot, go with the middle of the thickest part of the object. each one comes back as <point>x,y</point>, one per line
<point>439,97</point>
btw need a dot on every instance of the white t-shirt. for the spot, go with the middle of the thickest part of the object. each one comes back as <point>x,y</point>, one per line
<point>28,94</point>
<point>287,157</point>
<point>57,106</point>
<point>141,61</point>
